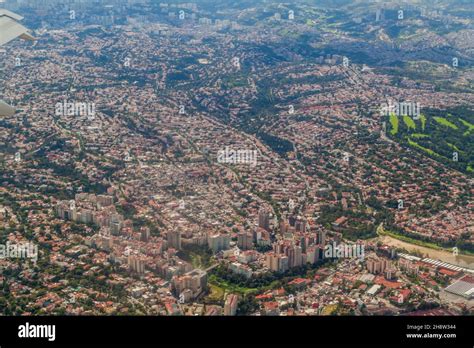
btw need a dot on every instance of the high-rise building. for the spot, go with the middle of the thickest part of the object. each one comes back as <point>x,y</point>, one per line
<point>273,262</point>
<point>136,264</point>
<point>115,227</point>
<point>218,242</point>
<point>298,260</point>
<point>174,239</point>
<point>321,237</point>
<point>230,306</point>
<point>284,263</point>
<point>144,234</point>
<point>284,227</point>
<point>195,280</point>
<point>105,200</point>
<point>312,254</point>
<point>245,240</point>
<point>292,220</point>
<point>264,219</point>
<point>377,265</point>
<point>300,225</point>
<point>290,252</point>
<point>303,243</point>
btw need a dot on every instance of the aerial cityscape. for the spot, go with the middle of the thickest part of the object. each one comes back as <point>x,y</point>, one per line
<point>237,158</point>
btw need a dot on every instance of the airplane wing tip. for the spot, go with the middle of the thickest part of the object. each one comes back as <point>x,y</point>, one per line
<point>5,109</point>
<point>4,12</point>
<point>27,36</point>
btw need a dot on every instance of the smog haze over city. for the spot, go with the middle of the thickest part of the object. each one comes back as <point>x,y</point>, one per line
<point>217,158</point>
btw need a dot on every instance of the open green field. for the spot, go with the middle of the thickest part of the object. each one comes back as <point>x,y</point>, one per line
<point>418,146</point>
<point>418,135</point>
<point>470,127</point>
<point>447,136</point>
<point>225,286</point>
<point>381,231</point>
<point>199,257</point>
<point>409,122</point>
<point>445,122</point>
<point>216,293</point>
<point>423,121</point>
<point>394,124</point>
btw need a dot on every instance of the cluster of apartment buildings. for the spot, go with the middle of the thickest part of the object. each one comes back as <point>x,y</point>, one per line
<point>90,208</point>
